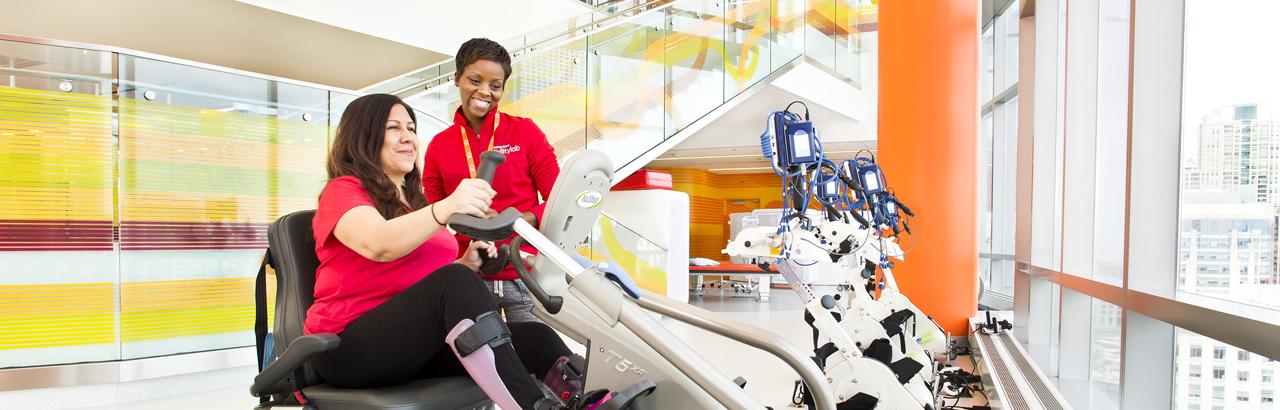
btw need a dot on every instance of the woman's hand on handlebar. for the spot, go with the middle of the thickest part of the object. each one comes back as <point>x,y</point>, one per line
<point>471,197</point>
<point>471,258</point>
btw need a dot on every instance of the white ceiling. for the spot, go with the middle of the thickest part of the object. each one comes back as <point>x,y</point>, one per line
<point>435,25</point>
<point>731,143</point>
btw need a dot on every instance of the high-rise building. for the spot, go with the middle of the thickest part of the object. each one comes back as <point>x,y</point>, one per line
<point>1227,248</point>
<point>1240,147</point>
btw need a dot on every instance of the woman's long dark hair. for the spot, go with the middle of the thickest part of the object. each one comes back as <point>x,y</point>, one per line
<point>357,152</point>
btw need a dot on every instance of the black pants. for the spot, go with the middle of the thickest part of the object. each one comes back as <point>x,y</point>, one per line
<point>403,339</point>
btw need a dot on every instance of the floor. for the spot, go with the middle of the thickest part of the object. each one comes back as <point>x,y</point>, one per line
<point>768,379</point>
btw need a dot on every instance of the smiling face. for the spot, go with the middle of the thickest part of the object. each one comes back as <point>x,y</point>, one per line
<point>480,87</point>
<point>400,144</point>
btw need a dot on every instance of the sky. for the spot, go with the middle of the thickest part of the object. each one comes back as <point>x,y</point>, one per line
<point>1231,57</point>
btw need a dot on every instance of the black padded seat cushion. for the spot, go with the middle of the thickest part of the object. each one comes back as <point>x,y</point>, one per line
<point>457,392</point>
<point>293,248</point>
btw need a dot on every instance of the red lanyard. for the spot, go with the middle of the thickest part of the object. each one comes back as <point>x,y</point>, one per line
<point>466,143</point>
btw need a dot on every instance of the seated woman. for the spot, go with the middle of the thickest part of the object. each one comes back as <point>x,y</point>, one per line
<point>388,282</point>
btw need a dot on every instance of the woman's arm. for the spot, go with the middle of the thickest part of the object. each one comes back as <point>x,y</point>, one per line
<point>365,231</point>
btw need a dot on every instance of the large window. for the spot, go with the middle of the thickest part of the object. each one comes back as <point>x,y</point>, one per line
<point>1230,189</point>
<point>1117,221</point>
<point>998,154</point>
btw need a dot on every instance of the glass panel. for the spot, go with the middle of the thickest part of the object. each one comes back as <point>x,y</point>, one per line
<point>984,183</point>
<point>57,264</point>
<point>695,60</point>
<point>1004,188</point>
<point>788,36</point>
<point>626,83</point>
<point>1112,142</point>
<point>645,261</point>
<point>1008,54</point>
<point>846,38</point>
<point>988,63</point>
<point>747,46</point>
<point>1212,373</point>
<point>1230,136</point>
<point>549,86</point>
<point>207,160</point>
<point>1104,356</point>
<point>440,102</point>
<point>821,31</point>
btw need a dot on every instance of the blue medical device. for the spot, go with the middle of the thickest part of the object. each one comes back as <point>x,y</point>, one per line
<point>789,140</point>
<point>868,182</point>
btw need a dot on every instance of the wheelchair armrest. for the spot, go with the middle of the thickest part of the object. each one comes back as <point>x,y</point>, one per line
<point>293,357</point>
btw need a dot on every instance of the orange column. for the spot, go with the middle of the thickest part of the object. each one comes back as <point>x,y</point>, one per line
<point>928,148</point>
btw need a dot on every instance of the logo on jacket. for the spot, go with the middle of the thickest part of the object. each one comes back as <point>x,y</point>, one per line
<point>507,149</point>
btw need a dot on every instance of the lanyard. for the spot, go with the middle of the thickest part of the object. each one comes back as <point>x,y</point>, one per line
<point>466,143</point>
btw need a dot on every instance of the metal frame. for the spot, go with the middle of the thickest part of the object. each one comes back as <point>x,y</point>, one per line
<point>1248,333</point>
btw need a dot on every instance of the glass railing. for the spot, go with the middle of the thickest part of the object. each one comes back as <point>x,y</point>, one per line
<point>441,72</point>
<point>628,82</point>
<point>642,259</point>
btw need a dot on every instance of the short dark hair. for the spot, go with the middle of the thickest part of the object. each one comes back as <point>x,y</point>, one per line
<point>477,49</point>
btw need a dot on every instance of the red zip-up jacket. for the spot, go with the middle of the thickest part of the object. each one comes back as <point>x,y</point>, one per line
<point>529,171</point>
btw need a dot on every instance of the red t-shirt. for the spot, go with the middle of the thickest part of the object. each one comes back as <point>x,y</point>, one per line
<point>530,168</point>
<point>347,284</point>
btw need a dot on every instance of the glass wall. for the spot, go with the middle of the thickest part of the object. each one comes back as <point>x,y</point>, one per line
<point>1151,195</point>
<point>636,78</point>
<point>1230,186</point>
<point>998,154</point>
<point>57,258</point>
<point>133,222</point>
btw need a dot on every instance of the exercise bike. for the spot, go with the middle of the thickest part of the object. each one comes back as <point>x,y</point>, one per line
<point>629,352</point>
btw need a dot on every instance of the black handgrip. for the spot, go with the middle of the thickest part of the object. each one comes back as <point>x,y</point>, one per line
<point>492,266</point>
<point>465,224</point>
<point>551,303</point>
<point>489,162</point>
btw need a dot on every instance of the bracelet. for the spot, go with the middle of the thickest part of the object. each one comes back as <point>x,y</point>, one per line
<point>433,215</point>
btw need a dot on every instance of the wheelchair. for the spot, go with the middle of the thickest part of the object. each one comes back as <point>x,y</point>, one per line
<point>289,381</point>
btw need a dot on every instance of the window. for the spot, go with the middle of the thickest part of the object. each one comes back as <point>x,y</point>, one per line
<point>1242,396</point>
<point>1219,373</point>
<point>1229,133</point>
<point>1242,376</point>
<point>1219,352</point>
<point>1195,371</point>
<point>1267,396</point>
<point>1242,356</point>
<point>1219,392</point>
<point>1194,391</point>
<point>1195,351</point>
<point>1268,375</point>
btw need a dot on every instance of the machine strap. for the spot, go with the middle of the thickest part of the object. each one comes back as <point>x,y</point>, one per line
<point>488,330</point>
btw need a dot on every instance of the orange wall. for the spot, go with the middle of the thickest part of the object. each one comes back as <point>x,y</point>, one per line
<point>928,147</point>
<point>708,214</point>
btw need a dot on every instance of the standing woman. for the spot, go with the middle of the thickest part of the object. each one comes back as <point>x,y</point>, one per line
<point>482,70</point>
<point>390,281</point>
